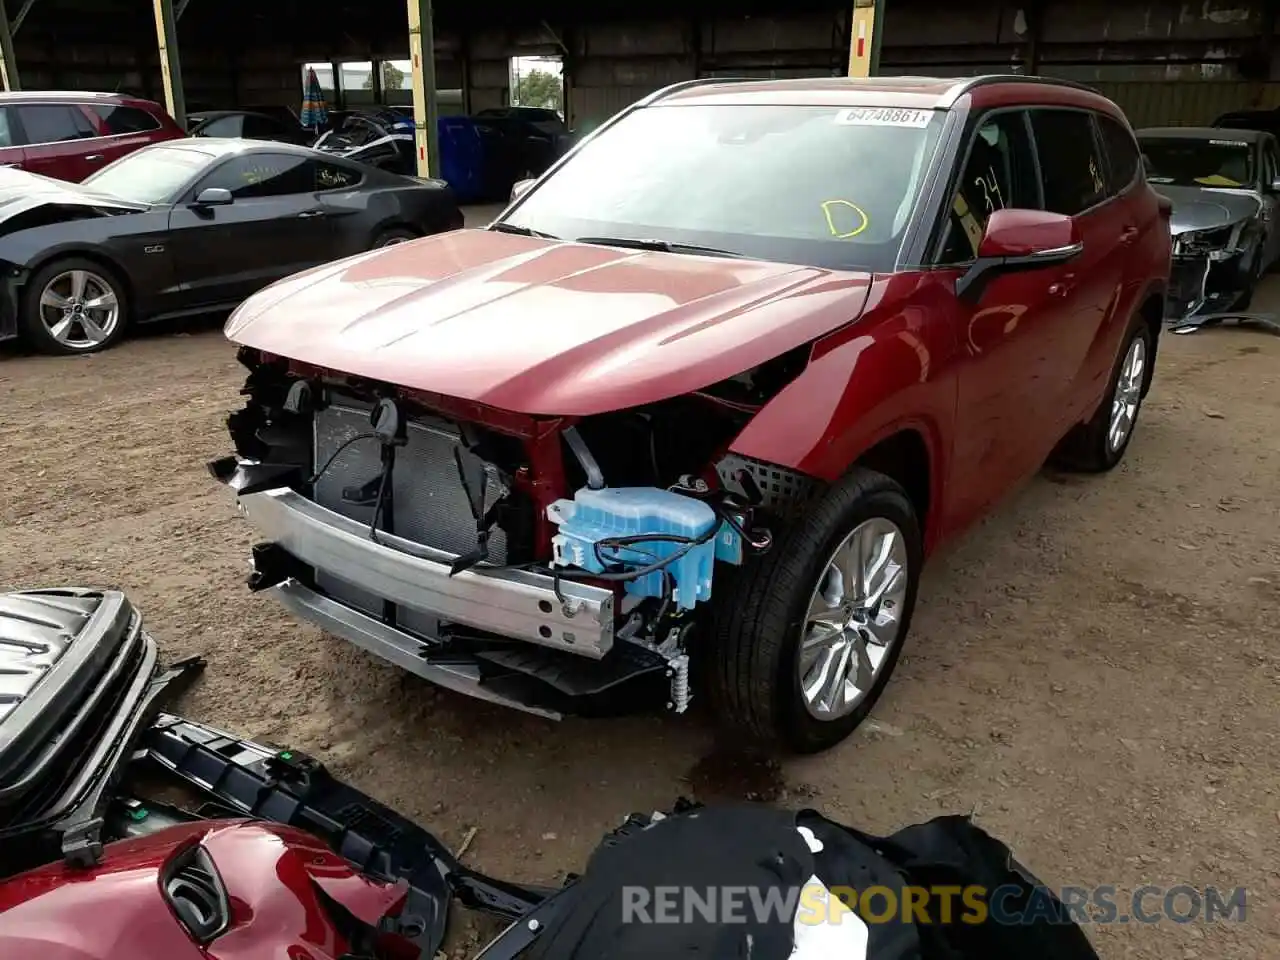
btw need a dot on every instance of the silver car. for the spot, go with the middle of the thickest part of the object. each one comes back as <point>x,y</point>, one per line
<point>1225,188</point>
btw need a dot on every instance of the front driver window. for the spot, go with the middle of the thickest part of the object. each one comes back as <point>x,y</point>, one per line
<point>262,175</point>
<point>998,173</point>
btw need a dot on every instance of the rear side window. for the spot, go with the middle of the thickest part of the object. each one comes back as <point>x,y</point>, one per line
<point>998,172</point>
<point>330,176</point>
<point>119,120</point>
<point>7,138</point>
<point>261,127</point>
<point>54,123</point>
<point>1122,155</point>
<point>1070,168</point>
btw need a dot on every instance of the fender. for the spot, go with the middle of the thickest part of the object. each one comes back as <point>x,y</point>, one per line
<point>883,374</point>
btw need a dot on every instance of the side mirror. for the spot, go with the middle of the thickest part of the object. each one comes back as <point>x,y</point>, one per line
<point>520,188</point>
<point>1017,240</point>
<point>214,197</point>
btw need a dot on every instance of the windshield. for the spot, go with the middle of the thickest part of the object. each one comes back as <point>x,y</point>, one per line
<point>826,186</point>
<point>1198,163</point>
<point>152,175</point>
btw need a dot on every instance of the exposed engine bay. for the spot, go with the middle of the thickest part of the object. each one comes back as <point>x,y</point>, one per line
<point>541,562</point>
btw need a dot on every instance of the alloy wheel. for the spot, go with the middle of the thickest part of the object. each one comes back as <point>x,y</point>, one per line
<point>1128,395</point>
<point>853,620</point>
<point>79,309</point>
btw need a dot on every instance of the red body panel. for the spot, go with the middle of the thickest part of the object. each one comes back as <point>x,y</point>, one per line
<point>76,159</point>
<point>537,327</point>
<point>117,911</point>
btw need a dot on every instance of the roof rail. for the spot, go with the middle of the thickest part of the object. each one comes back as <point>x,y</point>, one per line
<point>688,84</point>
<point>960,89</point>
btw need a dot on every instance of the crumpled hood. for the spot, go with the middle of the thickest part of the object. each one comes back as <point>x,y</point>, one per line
<point>21,191</point>
<point>1204,208</point>
<point>544,327</point>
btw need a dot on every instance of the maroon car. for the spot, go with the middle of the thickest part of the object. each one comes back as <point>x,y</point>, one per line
<point>70,134</point>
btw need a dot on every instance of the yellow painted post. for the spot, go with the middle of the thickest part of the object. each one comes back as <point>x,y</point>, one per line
<point>8,63</point>
<point>170,66</point>
<point>864,37</point>
<point>422,58</point>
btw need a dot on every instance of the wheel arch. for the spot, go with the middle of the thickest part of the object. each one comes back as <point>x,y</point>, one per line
<point>1151,309</point>
<point>92,254</point>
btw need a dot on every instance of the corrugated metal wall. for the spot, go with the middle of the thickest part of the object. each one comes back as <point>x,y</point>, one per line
<point>1151,104</point>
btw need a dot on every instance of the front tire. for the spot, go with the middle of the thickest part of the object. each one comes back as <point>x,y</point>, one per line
<point>806,636</point>
<point>1099,444</point>
<point>73,306</point>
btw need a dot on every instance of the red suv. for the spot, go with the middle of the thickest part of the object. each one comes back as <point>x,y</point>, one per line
<point>69,135</point>
<point>700,403</point>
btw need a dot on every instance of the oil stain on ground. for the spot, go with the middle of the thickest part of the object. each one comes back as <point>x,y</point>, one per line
<point>731,775</point>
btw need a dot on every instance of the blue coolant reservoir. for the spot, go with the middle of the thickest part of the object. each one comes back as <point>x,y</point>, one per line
<point>593,516</point>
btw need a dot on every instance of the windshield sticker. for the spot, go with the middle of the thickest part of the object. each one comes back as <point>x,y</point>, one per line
<point>1229,143</point>
<point>884,117</point>
<point>857,219</point>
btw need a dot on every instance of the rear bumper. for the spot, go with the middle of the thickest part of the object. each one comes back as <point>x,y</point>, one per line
<point>511,603</point>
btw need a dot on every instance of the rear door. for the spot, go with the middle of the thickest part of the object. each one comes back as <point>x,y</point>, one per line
<point>12,153</point>
<point>276,225</point>
<point>1073,170</point>
<point>61,140</point>
<point>1005,392</point>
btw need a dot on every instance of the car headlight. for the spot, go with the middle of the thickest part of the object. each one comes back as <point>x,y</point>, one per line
<point>1215,243</point>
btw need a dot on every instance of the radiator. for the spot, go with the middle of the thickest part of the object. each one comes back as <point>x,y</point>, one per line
<point>428,503</point>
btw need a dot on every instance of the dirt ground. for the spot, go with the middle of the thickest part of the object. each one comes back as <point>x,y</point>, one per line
<point>1094,672</point>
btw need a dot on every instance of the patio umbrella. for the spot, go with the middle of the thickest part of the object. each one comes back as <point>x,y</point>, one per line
<point>315,113</point>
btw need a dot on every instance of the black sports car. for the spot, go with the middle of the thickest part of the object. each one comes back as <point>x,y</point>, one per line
<point>186,227</point>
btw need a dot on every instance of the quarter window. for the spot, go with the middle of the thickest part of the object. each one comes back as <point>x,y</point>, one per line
<point>54,123</point>
<point>999,172</point>
<point>1122,155</point>
<point>120,120</point>
<point>1071,170</point>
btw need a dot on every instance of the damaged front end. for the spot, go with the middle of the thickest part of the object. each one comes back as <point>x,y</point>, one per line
<point>1213,270</point>
<point>554,565</point>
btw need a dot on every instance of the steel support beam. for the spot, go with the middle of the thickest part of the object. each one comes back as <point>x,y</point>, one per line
<point>865,27</point>
<point>170,66</point>
<point>422,61</point>
<point>22,15</point>
<point>8,63</point>
<point>180,8</point>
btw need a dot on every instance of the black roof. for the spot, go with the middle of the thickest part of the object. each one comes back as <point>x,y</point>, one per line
<point>1200,133</point>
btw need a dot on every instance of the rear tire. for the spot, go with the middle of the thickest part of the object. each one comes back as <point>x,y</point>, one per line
<point>760,663</point>
<point>390,237</point>
<point>73,306</point>
<point>1099,444</point>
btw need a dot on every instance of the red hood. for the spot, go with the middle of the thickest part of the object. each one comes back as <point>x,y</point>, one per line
<point>273,877</point>
<point>542,327</point>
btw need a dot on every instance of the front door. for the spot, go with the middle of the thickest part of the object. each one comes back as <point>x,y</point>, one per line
<point>60,140</point>
<point>275,226</point>
<point>1005,393</point>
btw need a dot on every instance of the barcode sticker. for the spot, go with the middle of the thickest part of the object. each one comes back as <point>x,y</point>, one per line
<point>884,117</point>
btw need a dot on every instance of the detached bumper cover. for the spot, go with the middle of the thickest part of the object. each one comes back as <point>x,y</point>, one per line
<point>511,603</point>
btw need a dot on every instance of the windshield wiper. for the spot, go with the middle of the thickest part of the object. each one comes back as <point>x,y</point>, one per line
<point>521,231</point>
<point>663,246</point>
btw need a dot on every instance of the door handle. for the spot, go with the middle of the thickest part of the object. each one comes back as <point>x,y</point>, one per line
<point>307,214</point>
<point>94,157</point>
<point>1128,235</point>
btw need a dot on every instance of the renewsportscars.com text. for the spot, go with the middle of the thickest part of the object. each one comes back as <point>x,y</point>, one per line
<point>811,904</point>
